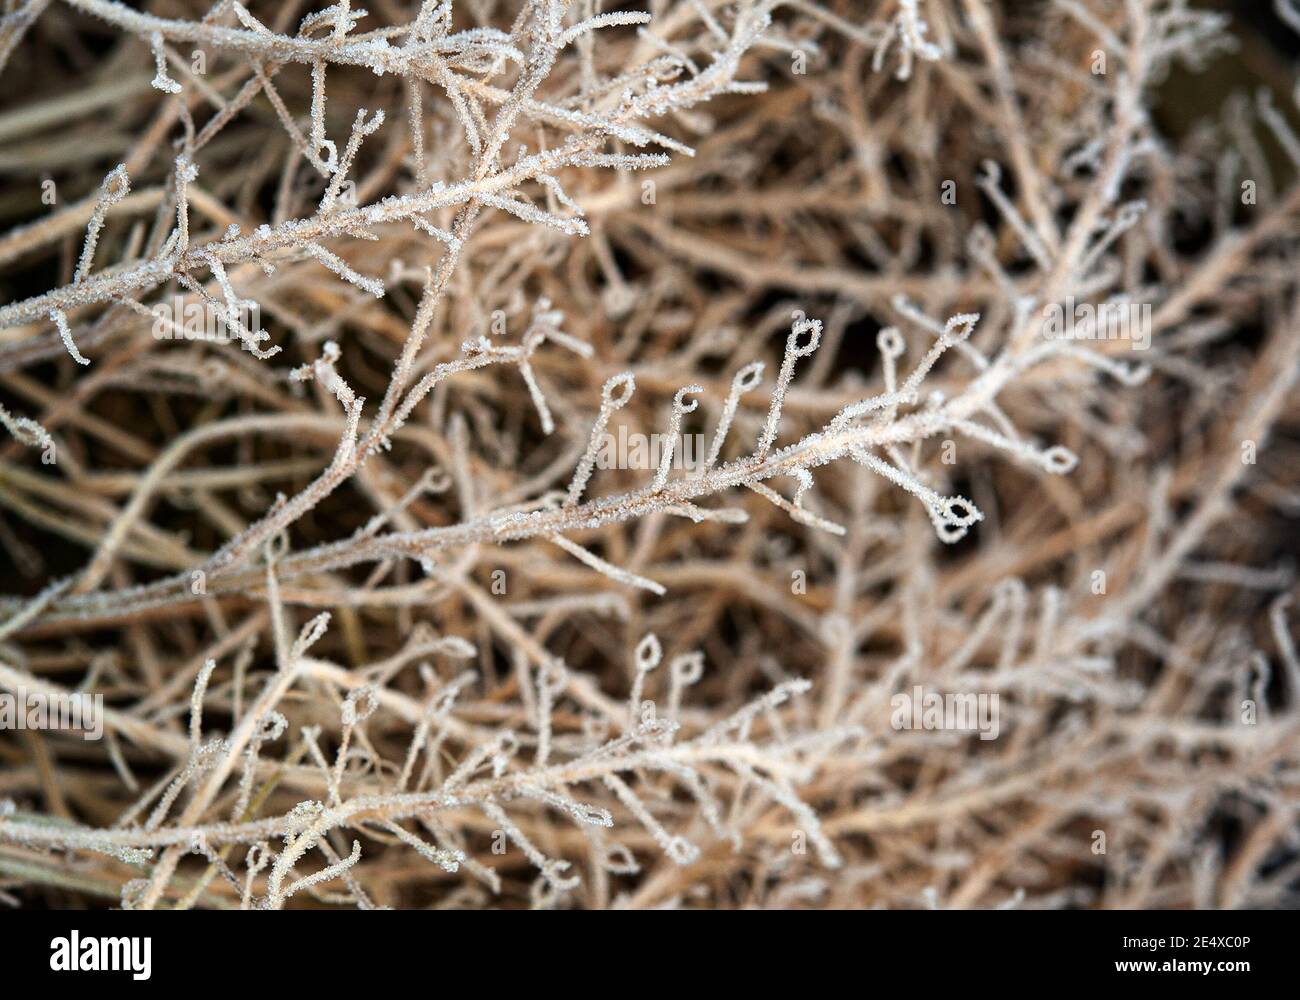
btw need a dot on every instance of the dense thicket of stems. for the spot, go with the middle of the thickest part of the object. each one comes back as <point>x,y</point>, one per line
<point>376,620</point>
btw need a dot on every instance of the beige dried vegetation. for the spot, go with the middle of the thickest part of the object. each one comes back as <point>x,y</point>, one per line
<point>374,623</point>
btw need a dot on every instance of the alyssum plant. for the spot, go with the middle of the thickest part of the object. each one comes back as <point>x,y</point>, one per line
<point>374,624</point>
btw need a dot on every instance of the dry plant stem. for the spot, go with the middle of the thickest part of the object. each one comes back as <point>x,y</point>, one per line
<point>466,559</point>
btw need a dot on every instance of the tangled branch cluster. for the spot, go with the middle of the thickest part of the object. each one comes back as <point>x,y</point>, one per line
<point>376,624</point>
